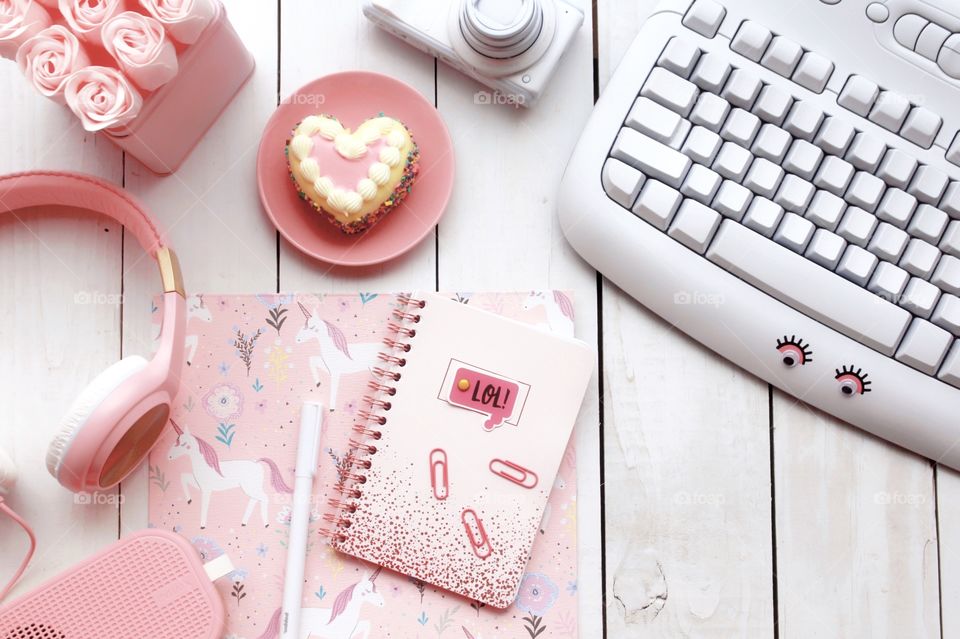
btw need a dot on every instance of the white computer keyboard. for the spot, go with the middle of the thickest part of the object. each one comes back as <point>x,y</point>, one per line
<point>781,181</point>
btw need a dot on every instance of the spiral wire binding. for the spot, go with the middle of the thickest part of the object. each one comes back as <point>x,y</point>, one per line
<point>371,418</point>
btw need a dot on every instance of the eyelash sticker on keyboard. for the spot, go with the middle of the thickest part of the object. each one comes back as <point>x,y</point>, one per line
<point>439,474</point>
<point>476,534</point>
<point>514,473</point>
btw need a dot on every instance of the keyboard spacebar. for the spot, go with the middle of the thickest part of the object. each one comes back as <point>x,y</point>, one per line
<point>809,288</point>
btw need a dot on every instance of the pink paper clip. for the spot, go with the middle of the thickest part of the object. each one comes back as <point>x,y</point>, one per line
<point>439,475</point>
<point>476,534</point>
<point>514,472</point>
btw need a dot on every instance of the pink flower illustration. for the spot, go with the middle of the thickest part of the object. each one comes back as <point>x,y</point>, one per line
<point>224,401</point>
<point>537,594</point>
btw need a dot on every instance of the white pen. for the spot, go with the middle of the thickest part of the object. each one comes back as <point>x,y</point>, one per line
<point>308,453</point>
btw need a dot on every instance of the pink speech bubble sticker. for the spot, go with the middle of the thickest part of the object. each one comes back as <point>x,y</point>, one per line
<point>484,393</point>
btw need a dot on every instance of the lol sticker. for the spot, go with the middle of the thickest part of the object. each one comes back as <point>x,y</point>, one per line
<point>499,398</point>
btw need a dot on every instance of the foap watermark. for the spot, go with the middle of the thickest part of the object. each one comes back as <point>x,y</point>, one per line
<point>305,99</point>
<point>98,499</point>
<point>98,298</point>
<point>697,298</point>
<point>496,97</point>
<point>884,498</point>
<point>684,498</point>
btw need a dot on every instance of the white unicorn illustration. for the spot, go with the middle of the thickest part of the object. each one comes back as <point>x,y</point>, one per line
<point>209,474</point>
<point>340,622</point>
<point>336,356</point>
<point>559,311</point>
<point>196,309</point>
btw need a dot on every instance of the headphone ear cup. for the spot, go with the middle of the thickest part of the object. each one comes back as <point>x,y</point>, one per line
<point>8,473</point>
<point>86,403</point>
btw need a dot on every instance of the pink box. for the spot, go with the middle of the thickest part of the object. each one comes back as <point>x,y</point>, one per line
<point>176,116</point>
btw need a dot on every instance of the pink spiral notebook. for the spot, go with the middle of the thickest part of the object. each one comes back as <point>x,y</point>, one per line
<point>223,481</point>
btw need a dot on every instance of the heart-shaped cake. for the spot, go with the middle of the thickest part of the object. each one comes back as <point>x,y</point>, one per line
<point>353,178</point>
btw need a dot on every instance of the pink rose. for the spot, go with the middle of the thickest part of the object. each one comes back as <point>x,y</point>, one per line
<point>184,20</point>
<point>48,59</point>
<point>87,17</point>
<point>139,44</point>
<point>20,20</point>
<point>102,98</point>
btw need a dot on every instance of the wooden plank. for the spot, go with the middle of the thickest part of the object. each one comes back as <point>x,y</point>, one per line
<point>210,210</point>
<point>688,498</point>
<point>60,279</point>
<point>308,53</point>
<point>502,233</point>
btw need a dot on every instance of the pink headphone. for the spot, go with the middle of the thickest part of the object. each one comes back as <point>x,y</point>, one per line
<point>120,415</point>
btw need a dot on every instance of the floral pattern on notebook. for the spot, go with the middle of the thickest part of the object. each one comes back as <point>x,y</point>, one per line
<point>222,476</point>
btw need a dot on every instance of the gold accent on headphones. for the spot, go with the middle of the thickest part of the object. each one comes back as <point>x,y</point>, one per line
<point>170,271</point>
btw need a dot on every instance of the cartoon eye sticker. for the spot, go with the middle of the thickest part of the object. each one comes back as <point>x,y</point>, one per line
<point>794,352</point>
<point>852,382</point>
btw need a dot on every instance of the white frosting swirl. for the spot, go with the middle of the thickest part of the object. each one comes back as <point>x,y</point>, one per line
<point>310,125</point>
<point>345,201</point>
<point>301,145</point>
<point>323,185</point>
<point>310,169</point>
<point>367,189</point>
<point>396,138</point>
<point>390,155</point>
<point>349,146</point>
<point>329,128</point>
<point>379,173</point>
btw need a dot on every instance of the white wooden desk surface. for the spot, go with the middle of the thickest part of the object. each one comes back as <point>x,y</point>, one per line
<point>725,510</point>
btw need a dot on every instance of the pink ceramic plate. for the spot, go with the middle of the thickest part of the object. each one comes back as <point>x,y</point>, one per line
<point>354,96</point>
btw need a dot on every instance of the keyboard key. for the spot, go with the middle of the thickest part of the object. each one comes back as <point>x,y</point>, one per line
<point>888,281</point>
<point>950,370</point>
<point>859,95</point>
<point>679,56</point>
<point>835,136</point>
<point>947,313</point>
<point>890,110</point>
<point>897,207</point>
<point>865,191</point>
<point>705,17</point>
<point>834,175</point>
<point>772,105</point>
<point>701,184</point>
<point>803,159</point>
<point>742,88</point>
<point>946,276</point>
<point>924,346</point>
<point>741,127</point>
<point>931,40</point>
<point>733,161</point>
<point>897,168</point>
<point>951,200</point>
<point>752,40</point>
<point>701,145</point>
<point>656,121</point>
<point>808,287</point>
<point>804,120</point>
<point>856,226</point>
<point>929,184</point>
<point>794,232</point>
<point>888,242</point>
<point>732,200</point>
<point>652,158</point>
<point>920,258</point>
<point>764,177</point>
<point>670,90</point>
<point>711,72</point>
<point>621,182</point>
<point>782,56</point>
<point>857,265</point>
<point>919,297</point>
<point>710,111</point>
<point>763,216</point>
<point>825,248</point>
<point>921,127</point>
<point>825,210</point>
<point>795,194</point>
<point>694,225</point>
<point>950,242</point>
<point>953,153</point>
<point>772,143</point>
<point>928,223</point>
<point>813,72</point>
<point>657,204</point>
<point>866,152</point>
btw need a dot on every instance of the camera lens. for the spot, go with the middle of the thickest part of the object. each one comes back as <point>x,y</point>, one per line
<point>501,28</point>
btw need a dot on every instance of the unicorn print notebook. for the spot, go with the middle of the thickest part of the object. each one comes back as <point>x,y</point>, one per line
<point>222,476</point>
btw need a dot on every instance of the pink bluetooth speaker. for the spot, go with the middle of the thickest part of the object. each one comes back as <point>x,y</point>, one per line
<point>149,584</point>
